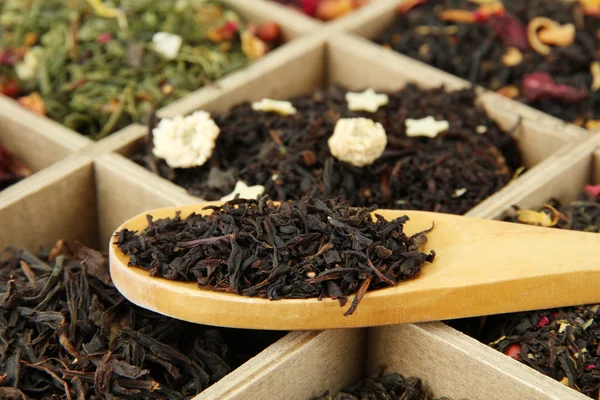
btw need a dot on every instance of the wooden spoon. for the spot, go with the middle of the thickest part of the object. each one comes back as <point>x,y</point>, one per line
<point>481,267</point>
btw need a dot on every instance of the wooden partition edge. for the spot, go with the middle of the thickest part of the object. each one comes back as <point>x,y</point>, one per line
<point>299,366</point>
<point>491,360</point>
<point>541,174</point>
<point>43,126</point>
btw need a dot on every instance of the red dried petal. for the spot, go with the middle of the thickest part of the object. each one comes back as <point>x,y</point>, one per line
<point>590,366</point>
<point>514,350</point>
<point>104,37</point>
<point>9,87</point>
<point>593,190</point>
<point>540,84</point>
<point>231,26</point>
<point>510,30</point>
<point>543,321</point>
<point>309,7</point>
<point>11,56</point>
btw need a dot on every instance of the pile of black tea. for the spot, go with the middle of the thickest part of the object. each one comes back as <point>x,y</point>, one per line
<point>97,66</point>
<point>67,333</point>
<point>543,53</point>
<point>296,250</point>
<point>465,158</point>
<point>391,386</point>
<point>324,10</point>
<point>12,170</point>
<point>562,343</point>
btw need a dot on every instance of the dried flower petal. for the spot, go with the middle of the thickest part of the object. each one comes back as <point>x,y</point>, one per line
<point>245,191</point>
<point>595,71</point>
<point>167,44</point>
<point>34,102</point>
<point>268,32</point>
<point>427,127</point>
<point>277,106</point>
<point>543,321</point>
<point>104,37</point>
<point>408,5</point>
<point>511,91</point>
<point>510,30</point>
<point>252,46</point>
<point>514,350</point>
<point>332,9</point>
<point>185,142</point>
<point>592,190</point>
<point>309,7</point>
<point>9,87</point>
<point>538,85</point>
<point>368,100</point>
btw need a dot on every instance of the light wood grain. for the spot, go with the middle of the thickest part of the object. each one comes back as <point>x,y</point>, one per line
<point>452,364</point>
<point>482,267</point>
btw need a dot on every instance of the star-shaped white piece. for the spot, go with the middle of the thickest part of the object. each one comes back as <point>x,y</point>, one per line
<point>366,101</point>
<point>428,127</point>
<point>245,191</point>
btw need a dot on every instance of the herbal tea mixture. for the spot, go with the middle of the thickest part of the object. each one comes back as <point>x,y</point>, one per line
<point>67,333</point>
<point>412,149</point>
<point>12,170</point>
<point>543,53</point>
<point>96,67</point>
<point>301,249</point>
<point>389,387</point>
<point>562,343</point>
<point>324,9</point>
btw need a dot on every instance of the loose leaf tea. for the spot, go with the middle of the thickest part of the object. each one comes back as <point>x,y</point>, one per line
<point>297,250</point>
<point>324,9</point>
<point>67,333</point>
<point>391,386</point>
<point>12,170</point>
<point>543,53</point>
<point>96,66</point>
<point>289,155</point>
<point>562,343</point>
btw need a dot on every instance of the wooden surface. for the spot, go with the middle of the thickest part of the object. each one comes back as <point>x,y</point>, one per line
<point>87,194</point>
<point>482,267</point>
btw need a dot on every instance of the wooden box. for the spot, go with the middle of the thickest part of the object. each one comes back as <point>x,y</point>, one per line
<point>84,190</point>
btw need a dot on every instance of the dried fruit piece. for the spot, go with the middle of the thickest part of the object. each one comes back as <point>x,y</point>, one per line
<point>513,57</point>
<point>542,31</point>
<point>408,5</point>
<point>268,32</point>
<point>9,87</point>
<point>514,350</point>
<point>223,33</point>
<point>34,102</point>
<point>167,44</point>
<point>539,218</point>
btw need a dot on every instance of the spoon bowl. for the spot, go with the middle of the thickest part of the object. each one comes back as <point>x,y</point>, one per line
<point>482,267</point>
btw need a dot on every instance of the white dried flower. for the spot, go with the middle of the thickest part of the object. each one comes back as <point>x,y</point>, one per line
<point>245,191</point>
<point>28,68</point>
<point>167,44</point>
<point>481,129</point>
<point>357,141</point>
<point>185,142</point>
<point>425,127</point>
<point>366,101</point>
<point>279,107</point>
